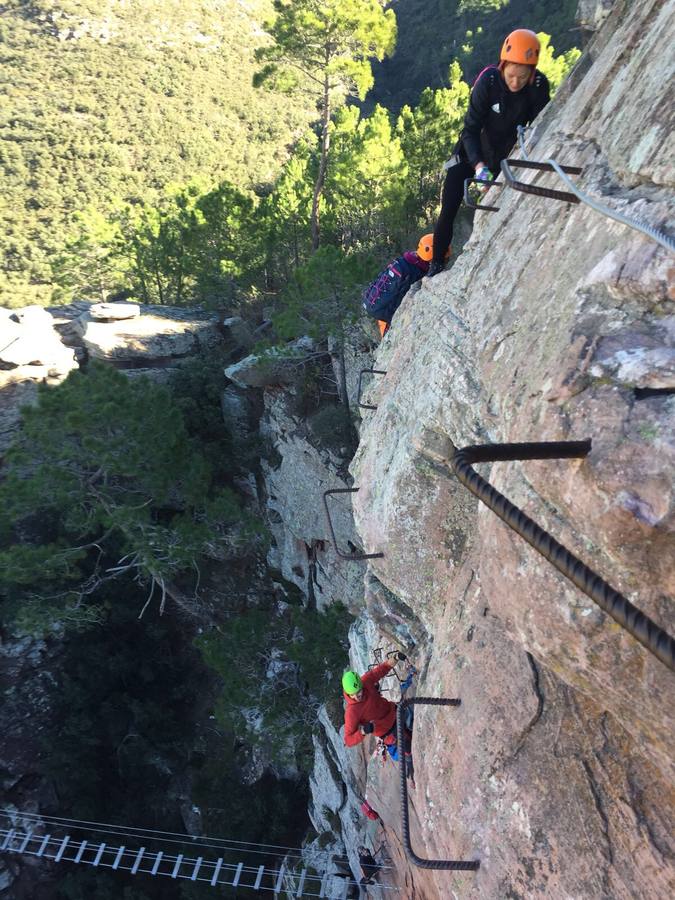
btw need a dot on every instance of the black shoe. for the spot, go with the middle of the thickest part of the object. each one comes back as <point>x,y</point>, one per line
<point>435,268</point>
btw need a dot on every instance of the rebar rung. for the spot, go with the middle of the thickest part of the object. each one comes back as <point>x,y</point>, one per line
<point>467,196</point>
<point>444,864</point>
<point>535,189</point>
<point>640,626</point>
<point>360,387</point>
<point>350,556</point>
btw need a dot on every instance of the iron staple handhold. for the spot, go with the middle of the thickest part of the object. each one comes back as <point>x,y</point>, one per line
<point>349,556</point>
<point>640,626</point>
<point>420,862</point>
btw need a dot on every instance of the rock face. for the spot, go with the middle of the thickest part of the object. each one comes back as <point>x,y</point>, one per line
<point>271,367</point>
<point>294,484</point>
<point>592,13</point>
<point>28,670</point>
<point>157,339</point>
<point>555,323</point>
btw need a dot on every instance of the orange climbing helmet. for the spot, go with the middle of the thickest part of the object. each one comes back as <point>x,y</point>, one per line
<point>425,248</point>
<point>521,46</point>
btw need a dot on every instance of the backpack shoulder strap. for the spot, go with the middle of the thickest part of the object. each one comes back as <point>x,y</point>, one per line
<point>405,268</point>
<point>492,69</point>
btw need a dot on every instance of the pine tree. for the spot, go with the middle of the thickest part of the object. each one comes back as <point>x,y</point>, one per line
<point>555,68</point>
<point>321,301</point>
<point>428,134</point>
<point>284,218</point>
<point>104,483</point>
<point>324,47</point>
<point>365,186</point>
<point>94,262</point>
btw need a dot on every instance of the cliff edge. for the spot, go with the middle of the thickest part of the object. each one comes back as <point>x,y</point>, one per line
<point>555,323</point>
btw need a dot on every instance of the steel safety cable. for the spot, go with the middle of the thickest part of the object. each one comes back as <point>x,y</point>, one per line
<point>631,221</point>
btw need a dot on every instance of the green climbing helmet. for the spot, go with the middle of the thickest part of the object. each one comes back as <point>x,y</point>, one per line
<point>351,683</point>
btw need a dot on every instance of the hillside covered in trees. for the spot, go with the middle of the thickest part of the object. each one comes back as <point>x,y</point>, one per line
<point>114,112</point>
<point>432,33</point>
<point>105,102</point>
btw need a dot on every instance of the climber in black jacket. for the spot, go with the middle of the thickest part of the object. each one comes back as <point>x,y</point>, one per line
<point>503,97</point>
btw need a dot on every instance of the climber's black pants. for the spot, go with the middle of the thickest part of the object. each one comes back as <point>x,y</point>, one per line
<point>451,197</point>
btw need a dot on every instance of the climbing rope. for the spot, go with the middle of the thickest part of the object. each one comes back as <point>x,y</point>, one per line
<point>631,221</point>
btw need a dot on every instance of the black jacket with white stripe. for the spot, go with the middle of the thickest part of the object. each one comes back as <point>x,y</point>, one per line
<point>494,112</point>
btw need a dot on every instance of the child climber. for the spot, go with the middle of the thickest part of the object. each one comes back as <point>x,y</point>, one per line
<point>383,296</point>
<point>503,97</point>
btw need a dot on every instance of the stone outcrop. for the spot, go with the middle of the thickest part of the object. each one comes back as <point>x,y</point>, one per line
<point>114,312</point>
<point>555,323</point>
<point>131,335</point>
<point>272,367</point>
<point>31,353</point>
<point>591,14</point>
<point>41,346</point>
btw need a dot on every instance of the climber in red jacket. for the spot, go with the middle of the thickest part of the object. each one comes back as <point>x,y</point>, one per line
<point>367,711</point>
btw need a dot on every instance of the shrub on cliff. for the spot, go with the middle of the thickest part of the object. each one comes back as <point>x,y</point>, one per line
<point>105,483</point>
<point>277,669</point>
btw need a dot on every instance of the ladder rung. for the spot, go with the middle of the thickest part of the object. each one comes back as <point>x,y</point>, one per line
<point>158,860</point>
<point>261,871</point>
<point>137,861</point>
<point>193,877</point>
<point>62,849</point>
<point>8,839</point>
<point>280,880</point>
<point>237,874</point>
<point>25,842</point>
<point>120,854</point>
<point>216,872</point>
<point>179,860</point>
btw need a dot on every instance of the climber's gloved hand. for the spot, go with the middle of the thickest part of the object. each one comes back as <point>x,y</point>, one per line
<point>401,656</point>
<point>434,268</point>
<point>485,176</point>
<point>368,728</point>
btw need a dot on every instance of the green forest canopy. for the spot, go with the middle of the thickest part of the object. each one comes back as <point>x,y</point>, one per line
<point>432,33</point>
<point>104,105</point>
<point>102,101</point>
